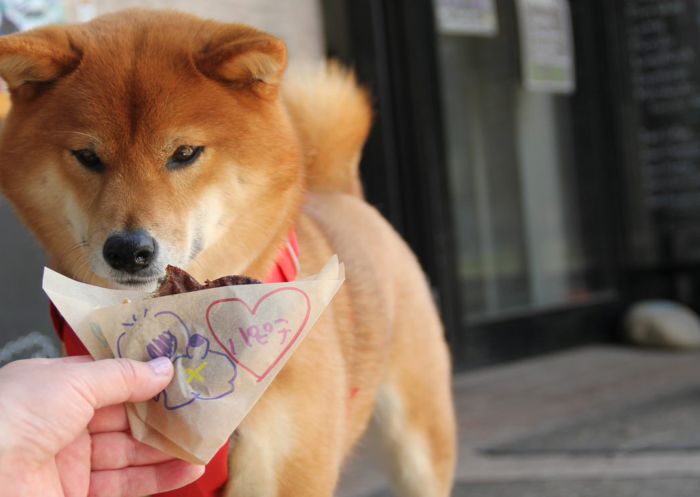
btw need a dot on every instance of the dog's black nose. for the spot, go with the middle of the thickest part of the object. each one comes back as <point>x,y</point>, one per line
<point>129,251</point>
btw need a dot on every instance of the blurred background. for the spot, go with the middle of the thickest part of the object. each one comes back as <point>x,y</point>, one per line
<point>542,158</point>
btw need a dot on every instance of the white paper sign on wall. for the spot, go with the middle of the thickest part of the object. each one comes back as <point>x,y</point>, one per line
<point>466,17</point>
<point>546,46</point>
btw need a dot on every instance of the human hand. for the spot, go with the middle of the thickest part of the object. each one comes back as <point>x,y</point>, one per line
<point>64,431</point>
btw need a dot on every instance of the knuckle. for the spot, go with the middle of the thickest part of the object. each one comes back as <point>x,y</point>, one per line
<point>131,451</point>
<point>128,371</point>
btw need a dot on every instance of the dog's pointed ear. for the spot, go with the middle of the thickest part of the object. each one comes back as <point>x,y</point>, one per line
<point>244,58</point>
<point>37,56</point>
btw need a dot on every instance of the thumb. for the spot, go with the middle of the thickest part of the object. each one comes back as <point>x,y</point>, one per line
<point>113,381</point>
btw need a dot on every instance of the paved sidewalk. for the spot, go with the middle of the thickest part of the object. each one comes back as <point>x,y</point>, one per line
<point>592,422</point>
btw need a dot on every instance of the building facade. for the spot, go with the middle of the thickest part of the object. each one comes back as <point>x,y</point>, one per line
<point>540,156</point>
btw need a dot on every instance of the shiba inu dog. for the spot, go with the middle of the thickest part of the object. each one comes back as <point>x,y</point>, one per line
<point>147,138</point>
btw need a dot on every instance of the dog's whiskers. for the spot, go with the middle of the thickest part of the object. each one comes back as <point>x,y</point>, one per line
<point>73,248</point>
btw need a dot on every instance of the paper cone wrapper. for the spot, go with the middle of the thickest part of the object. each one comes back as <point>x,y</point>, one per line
<point>227,345</point>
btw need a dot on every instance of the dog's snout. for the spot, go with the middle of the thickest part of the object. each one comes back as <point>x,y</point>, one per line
<point>129,251</point>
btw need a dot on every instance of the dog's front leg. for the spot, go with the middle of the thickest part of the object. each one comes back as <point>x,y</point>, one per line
<point>290,445</point>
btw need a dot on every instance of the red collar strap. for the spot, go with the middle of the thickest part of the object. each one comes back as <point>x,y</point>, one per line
<point>286,269</point>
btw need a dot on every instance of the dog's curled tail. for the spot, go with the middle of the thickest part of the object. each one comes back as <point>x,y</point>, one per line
<point>332,115</point>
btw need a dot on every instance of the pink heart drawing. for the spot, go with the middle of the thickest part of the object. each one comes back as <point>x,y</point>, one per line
<point>272,339</point>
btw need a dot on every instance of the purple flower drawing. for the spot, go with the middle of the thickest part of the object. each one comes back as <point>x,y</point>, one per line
<point>197,367</point>
<point>200,373</point>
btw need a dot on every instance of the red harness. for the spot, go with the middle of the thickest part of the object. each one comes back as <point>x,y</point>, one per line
<point>216,474</point>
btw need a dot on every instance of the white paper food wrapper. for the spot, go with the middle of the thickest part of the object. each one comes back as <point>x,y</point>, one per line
<point>227,344</point>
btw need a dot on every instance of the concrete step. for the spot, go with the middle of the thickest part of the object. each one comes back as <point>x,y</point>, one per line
<point>609,419</point>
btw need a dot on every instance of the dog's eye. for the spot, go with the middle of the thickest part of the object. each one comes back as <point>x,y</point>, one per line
<point>89,160</point>
<point>184,156</point>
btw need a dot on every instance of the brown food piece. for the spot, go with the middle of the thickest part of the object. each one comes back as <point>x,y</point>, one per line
<point>179,281</point>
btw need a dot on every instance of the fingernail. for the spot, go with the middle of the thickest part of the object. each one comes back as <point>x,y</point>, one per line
<point>161,366</point>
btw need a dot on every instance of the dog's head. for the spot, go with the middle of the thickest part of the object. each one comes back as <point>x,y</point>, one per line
<point>139,139</point>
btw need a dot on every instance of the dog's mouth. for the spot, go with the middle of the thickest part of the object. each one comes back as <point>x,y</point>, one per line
<point>147,281</point>
<point>137,282</point>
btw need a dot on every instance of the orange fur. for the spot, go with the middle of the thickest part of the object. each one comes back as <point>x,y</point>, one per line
<point>332,116</point>
<point>134,86</point>
<point>4,104</point>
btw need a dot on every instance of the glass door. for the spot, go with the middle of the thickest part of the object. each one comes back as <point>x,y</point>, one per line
<point>503,193</point>
<point>513,162</point>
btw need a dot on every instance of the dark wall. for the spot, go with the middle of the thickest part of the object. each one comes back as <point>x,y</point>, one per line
<point>25,326</point>
<point>656,88</point>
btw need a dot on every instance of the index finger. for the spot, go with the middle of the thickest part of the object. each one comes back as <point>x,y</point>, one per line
<point>110,418</point>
